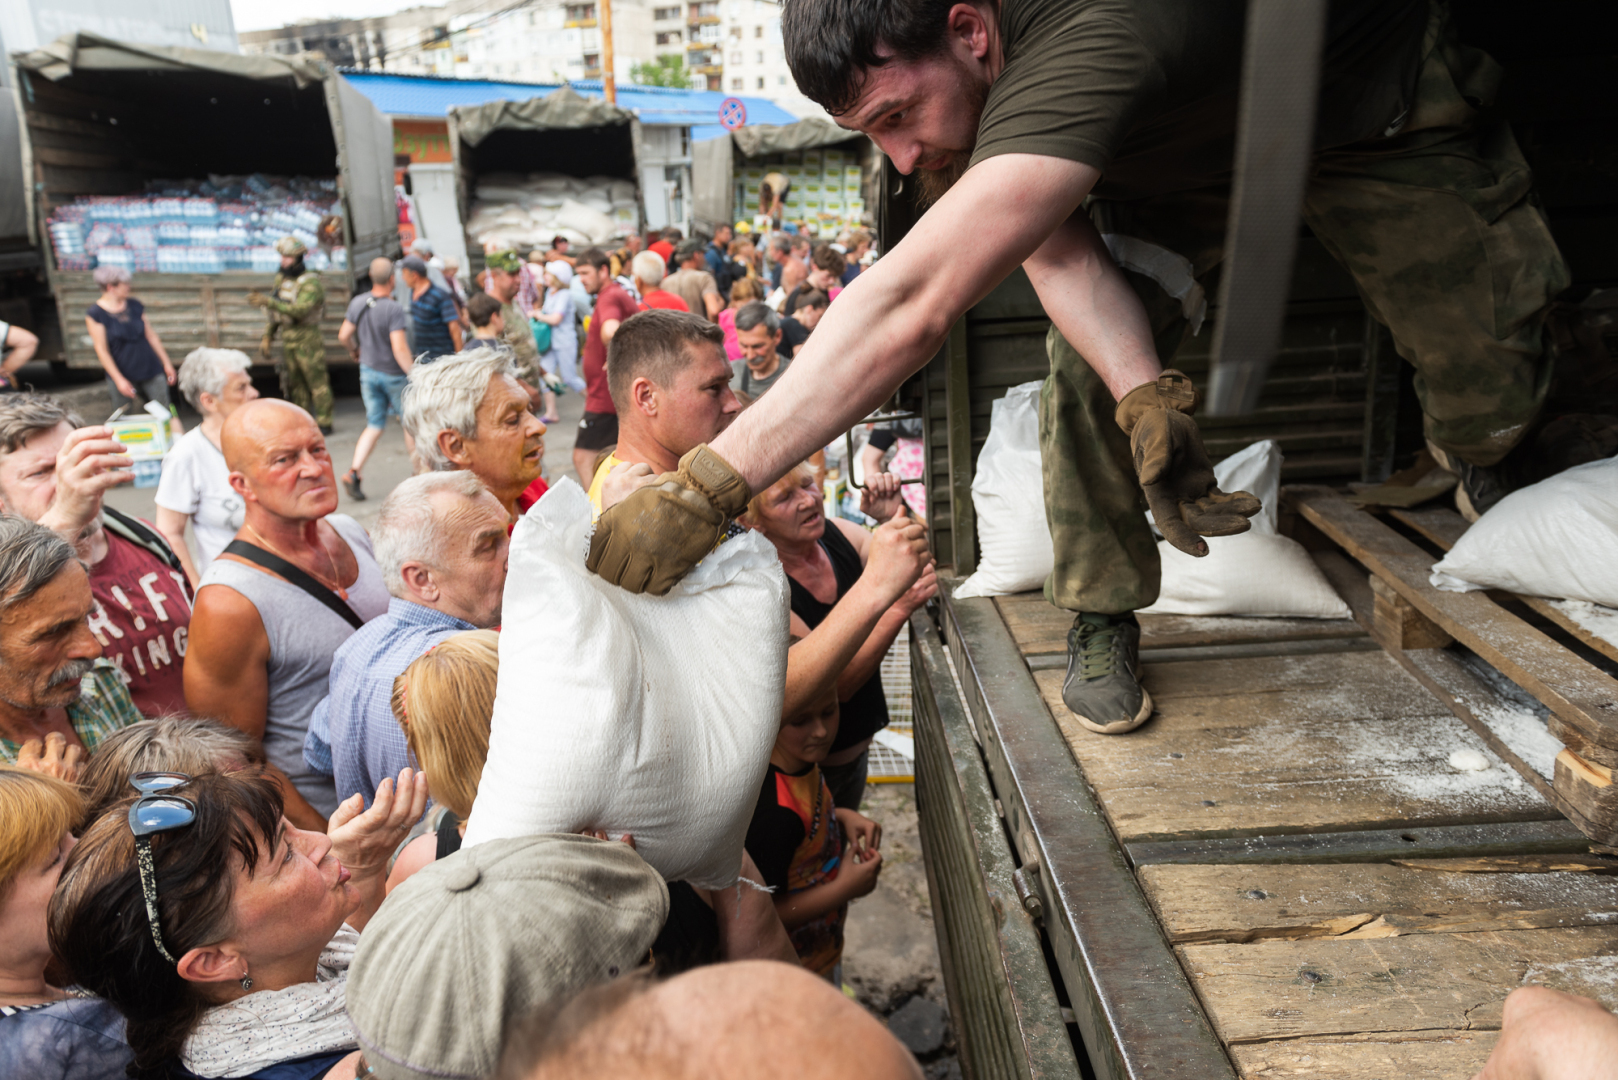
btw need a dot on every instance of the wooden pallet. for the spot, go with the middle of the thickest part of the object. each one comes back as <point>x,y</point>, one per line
<point>1282,809</point>
<point>1413,620</point>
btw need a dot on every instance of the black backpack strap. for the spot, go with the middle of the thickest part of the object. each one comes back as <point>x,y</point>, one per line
<point>275,564</point>
<point>138,532</point>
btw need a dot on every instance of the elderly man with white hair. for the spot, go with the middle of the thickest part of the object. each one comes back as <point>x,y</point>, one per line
<point>468,411</point>
<point>195,489</point>
<point>440,540</point>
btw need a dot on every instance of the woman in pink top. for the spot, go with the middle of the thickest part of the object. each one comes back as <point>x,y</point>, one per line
<point>744,291</point>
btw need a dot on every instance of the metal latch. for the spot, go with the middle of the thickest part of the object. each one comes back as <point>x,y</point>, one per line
<point>1025,879</point>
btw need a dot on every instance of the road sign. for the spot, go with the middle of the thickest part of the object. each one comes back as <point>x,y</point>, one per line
<point>732,113</point>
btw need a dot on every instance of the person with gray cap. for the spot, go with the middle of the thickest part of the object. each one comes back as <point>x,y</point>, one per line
<point>443,972</point>
<point>435,323</point>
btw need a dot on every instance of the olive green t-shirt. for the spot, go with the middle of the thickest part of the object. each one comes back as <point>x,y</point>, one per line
<point>1146,90</point>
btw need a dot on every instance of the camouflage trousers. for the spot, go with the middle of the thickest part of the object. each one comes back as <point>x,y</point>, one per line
<point>1437,226</point>
<point>304,380</point>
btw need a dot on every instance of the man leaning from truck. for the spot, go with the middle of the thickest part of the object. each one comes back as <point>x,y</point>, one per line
<point>295,308</point>
<point>1010,116</point>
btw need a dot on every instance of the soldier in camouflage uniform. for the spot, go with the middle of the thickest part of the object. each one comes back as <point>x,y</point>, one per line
<point>295,309</point>
<point>1439,228</point>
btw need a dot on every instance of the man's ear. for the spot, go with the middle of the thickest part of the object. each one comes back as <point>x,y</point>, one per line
<point>452,444</point>
<point>239,484</point>
<point>643,392</point>
<point>418,581</point>
<point>969,30</point>
<point>214,964</point>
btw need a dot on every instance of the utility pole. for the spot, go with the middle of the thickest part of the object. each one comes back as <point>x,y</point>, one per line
<point>609,89</point>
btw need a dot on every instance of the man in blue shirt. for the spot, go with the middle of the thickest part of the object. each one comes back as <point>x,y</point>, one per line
<point>440,540</point>
<point>724,269</point>
<point>433,318</point>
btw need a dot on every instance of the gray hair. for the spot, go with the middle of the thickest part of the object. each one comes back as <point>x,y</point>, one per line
<point>406,529</point>
<point>108,276</point>
<point>648,268</point>
<point>185,744</point>
<point>206,371</point>
<point>444,395</point>
<point>22,416</point>
<point>755,314</point>
<point>30,558</point>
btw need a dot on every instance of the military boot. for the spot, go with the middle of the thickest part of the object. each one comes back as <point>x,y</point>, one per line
<point>1102,686</point>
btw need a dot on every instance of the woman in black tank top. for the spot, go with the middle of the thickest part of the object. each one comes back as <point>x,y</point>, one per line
<point>825,561</point>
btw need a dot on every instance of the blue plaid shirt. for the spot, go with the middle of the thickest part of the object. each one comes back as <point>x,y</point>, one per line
<point>353,734</point>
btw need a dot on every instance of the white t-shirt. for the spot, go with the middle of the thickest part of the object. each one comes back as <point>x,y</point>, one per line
<point>196,481</point>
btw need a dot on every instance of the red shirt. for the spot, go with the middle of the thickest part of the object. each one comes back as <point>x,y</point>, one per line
<point>663,248</point>
<point>531,495</point>
<point>612,302</point>
<point>142,619</point>
<point>661,298</point>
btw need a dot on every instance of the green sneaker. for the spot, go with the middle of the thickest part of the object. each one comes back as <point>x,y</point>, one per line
<point>1103,687</point>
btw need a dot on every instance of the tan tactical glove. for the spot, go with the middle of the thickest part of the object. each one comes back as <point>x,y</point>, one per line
<point>652,539</point>
<point>257,299</point>
<point>264,345</point>
<point>1173,466</point>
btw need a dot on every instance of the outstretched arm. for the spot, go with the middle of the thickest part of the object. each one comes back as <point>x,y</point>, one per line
<point>896,315</point>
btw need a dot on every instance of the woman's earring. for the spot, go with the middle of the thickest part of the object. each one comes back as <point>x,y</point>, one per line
<point>247,981</point>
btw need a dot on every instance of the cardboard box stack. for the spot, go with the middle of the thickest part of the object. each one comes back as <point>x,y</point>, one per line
<point>826,191</point>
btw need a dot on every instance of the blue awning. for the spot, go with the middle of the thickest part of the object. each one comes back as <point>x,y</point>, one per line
<point>425,95</point>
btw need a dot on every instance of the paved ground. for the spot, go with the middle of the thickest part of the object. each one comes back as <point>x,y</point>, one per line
<point>891,955</point>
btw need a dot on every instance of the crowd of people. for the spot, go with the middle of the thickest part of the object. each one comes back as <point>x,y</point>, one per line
<point>240,745</point>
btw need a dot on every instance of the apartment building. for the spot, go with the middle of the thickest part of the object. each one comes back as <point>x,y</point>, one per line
<point>745,52</point>
<point>543,41</point>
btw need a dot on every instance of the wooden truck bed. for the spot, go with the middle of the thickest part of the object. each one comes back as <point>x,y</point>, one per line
<point>1290,870</point>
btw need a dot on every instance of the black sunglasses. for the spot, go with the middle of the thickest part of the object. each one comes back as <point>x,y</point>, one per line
<point>151,814</point>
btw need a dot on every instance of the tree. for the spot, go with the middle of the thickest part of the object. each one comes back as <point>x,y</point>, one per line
<point>667,70</point>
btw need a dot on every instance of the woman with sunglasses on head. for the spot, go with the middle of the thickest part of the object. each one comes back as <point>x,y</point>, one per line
<point>46,1031</point>
<point>222,932</point>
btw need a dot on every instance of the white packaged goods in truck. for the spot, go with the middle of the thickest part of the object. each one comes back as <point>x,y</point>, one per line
<point>202,226</point>
<point>522,212</point>
<point>186,165</point>
<point>558,165</point>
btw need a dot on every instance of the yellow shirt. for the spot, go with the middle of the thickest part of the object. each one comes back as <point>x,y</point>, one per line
<point>602,468</point>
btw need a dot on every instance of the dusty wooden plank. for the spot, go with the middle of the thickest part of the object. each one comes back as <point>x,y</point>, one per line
<point>1352,584</point>
<point>1292,744</point>
<point>1443,1055</point>
<point>1445,527</point>
<point>1575,690</point>
<point>1590,793</point>
<point>1424,982</point>
<point>1517,736</point>
<point>1575,740</point>
<point>1547,836</point>
<point>1396,623</point>
<point>1040,628</point>
<point>1371,900</point>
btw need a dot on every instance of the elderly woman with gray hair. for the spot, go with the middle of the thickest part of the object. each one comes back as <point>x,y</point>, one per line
<point>125,343</point>
<point>195,489</point>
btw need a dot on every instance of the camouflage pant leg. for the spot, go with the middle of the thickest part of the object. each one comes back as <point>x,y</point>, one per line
<point>1106,556</point>
<point>303,373</point>
<point>1438,227</point>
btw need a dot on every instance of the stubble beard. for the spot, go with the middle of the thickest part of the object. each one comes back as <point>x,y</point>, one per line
<point>931,184</point>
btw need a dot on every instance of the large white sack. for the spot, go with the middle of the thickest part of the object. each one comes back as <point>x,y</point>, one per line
<point>653,716</point>
<point>1258,572</point>
<point>582,219</point>
<point>1557,538</point>
<point>1008,495</point>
